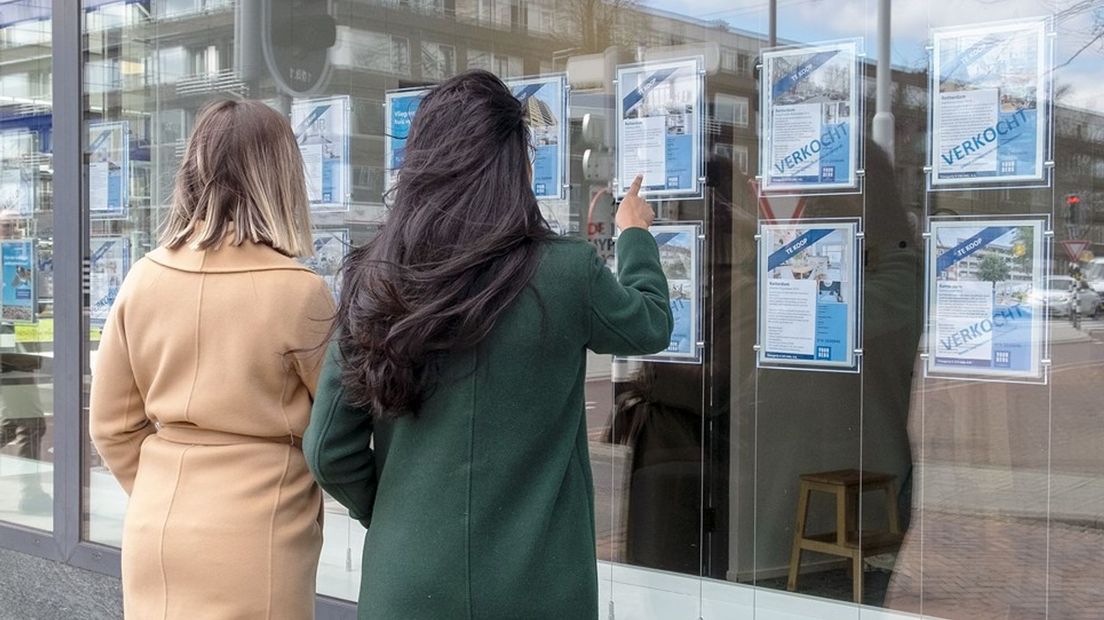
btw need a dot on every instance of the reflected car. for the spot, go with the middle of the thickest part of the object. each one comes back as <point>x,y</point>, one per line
<point>1094,275</point>
<point>1061,295</point>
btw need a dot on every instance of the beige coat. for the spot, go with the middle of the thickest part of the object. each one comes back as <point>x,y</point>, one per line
<point>204,375</point>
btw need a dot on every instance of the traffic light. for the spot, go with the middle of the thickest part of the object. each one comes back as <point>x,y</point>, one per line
<point>1073,206</point>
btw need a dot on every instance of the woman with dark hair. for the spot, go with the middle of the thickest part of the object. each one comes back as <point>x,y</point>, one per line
<point>449,418</point>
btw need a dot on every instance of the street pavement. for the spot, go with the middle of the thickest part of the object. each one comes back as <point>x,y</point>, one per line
<point>1008,518</point>
<point>1008,498</point>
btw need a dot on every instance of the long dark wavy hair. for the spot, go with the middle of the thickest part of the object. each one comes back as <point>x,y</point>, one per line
<point>461,241</point>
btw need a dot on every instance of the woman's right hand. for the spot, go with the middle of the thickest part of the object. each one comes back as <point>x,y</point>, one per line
<point>634,211</point>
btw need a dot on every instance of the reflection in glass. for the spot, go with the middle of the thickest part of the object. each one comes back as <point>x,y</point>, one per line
<point>166,68</point>
<point>697,470</point>
<point>26,266</point>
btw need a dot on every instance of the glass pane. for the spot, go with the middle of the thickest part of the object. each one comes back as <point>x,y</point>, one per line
<point>977,495</point>
<point>1004,470</point>
<point>122,160</point>
<point>150,68</point>
<point>979,466</point>
<point>26,264</point>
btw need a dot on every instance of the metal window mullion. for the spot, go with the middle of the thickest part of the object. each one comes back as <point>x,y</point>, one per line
<point>16,537</point>
<point>69,231</point>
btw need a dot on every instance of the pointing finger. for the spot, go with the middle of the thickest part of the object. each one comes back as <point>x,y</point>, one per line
<point>634,189</point>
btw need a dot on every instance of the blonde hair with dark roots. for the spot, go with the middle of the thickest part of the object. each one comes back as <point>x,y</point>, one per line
<point>242,173</point>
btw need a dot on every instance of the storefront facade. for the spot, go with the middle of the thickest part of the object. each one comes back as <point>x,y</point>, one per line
<point>884,235</point>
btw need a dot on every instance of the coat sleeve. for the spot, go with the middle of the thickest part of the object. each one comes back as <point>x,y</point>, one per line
<point>631,316</point>
<point>315,322</point>
<point>117,411</point>
<point>337,444</point>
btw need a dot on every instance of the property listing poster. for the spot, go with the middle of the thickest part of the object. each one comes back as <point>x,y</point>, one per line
<point>110,261</point>
<point>659,128</point>
<point>322,131</point>
<point>401,105</point>
<point>989,115</point>
<point>17,265</point>
<point>545,99</point>
<point>812,121</point>
<point>17,177</point>
<point>680,256</point>
<point>108,168</point>
<point>986,302</point>
<point>330,247</point>
<point>808,295</point>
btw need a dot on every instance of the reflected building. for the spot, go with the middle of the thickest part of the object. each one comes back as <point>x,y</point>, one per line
<point>697,468</point>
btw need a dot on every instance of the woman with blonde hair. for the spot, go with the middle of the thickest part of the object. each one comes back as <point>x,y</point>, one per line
<point>203,383</point>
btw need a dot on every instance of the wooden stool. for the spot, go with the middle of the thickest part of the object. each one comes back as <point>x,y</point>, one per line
<point>845,485</point>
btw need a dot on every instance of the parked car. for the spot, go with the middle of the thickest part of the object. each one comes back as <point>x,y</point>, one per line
<point>1061,294</point>
<point>1094,275</point>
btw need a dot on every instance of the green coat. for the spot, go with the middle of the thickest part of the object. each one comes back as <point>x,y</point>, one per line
<point>482,506</point>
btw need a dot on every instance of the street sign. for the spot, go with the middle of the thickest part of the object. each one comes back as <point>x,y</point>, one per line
<point>1075,247</point>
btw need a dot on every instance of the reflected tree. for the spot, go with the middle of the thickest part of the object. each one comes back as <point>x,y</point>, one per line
<point>993,269</point>
<point>595,25</point>
<point>1094,30</point>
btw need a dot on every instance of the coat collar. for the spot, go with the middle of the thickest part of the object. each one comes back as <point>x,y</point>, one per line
<point>228,258</point>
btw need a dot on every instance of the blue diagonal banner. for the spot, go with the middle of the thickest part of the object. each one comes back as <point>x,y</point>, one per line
<point>663,239</point>
<point>104,135</point>
<point>800,72</point>
<point>638,94</point>
<point>523,94</point>
<point>794,247</point>
<point>970,246</point>
<point>311,118</point>
<point>971,55</point>
<point>103,249</point>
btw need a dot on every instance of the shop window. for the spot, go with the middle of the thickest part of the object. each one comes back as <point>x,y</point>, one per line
<point>729,60</point>
<point>102,75</point>
<point>478,59</point>
<point>206,60</point>
<point>438,61</point>
<point>507,66</point>
<point>698,467</point>
<point>175,8</point>
<point>495,13</point>
<point>518,15</point>
<point>745,62</point>
<point>730,110</point>
<point>485,10</point>
<point>740,158</point>
<point>362,49</point>
<point>400,55</point>
<point>172,64</point>
<point>113,15</point>
<point>34,32</point>
<point>27,416</point>
<point>182,8</point>
<point>502,65</point>
<point>540,18</point>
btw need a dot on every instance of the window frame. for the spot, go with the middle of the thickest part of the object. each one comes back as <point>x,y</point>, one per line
<point>66,543</point>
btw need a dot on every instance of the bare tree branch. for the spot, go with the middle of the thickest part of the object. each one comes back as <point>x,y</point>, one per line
<point>1084,47</point>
